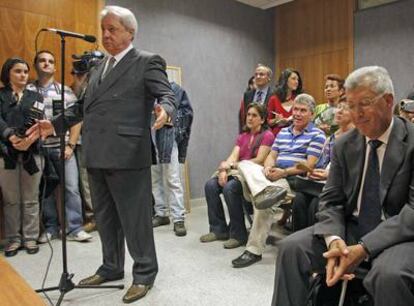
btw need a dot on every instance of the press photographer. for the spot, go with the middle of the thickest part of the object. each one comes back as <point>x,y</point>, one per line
<point>20,162</point>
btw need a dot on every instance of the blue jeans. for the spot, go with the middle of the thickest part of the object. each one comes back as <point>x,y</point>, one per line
<point>233,195</point>
<point>73,202</point>
<point>167,188</point>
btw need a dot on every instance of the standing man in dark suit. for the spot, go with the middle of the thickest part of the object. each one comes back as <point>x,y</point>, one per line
<point>117,144</point>
<point>117,111</point>
<point>261,95</point>
<point>366,208</point>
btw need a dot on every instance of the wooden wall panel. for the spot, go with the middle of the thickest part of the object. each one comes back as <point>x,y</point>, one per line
<point>316,38</point>
<point>21,19</point>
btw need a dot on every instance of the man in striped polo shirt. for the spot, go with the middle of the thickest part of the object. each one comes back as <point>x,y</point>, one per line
<point>301,142</point>
<point>51,90</point>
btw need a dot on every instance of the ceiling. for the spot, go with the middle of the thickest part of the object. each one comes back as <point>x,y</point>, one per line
<point>264,4</point>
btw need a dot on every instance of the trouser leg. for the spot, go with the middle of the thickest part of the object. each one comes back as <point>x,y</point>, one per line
<point>313,209</point>
<point>73,201</point>
<point>131,191</point>
<point>84,185</point>
<point>173,187</point>
<point>300,207</point>
<point>299,255</point>
<point>30,200</point>
<point>216,216</point>
<point>233,194</point>
<point>108,225</point>
<point>262,222</point>
<point>391,278</point>
<point>10,186</point>
<point>160,204</point>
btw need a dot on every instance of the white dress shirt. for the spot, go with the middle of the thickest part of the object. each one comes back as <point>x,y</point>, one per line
<point>117,58</point>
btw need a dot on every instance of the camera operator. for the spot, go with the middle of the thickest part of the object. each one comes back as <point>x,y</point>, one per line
<point>46,85</point>
<point>407,107</point>
<point>20,162</point>
<point>81,67</point>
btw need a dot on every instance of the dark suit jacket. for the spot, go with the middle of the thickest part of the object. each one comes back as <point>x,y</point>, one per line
<point>248,97</point>
<point>117,111</point>
<point>339,196</point>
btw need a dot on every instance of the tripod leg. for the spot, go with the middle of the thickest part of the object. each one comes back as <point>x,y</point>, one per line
<point>60,298</point>
<point>100,286</point>
<point>47,289</point>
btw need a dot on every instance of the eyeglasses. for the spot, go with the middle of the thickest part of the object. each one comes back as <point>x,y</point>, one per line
<point>364,103</point>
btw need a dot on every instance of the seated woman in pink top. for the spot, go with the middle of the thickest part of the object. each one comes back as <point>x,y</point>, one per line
<point>280,103</point>
<point>254,144</point>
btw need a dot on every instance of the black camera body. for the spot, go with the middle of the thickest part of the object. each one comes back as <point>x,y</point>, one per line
<point>83,63</point>
<point>34,113</point>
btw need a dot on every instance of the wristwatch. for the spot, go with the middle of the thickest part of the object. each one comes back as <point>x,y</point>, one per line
<point>71,145</point>
<point>361,243</point>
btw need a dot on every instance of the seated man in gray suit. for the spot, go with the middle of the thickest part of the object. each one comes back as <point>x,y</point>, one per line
<point>366,208</point>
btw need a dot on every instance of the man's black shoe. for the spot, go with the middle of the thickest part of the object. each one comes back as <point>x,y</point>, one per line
<point>158,221</point>
<point>246,259</point>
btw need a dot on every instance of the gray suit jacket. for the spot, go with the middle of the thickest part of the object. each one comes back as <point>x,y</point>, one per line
<point>117,111</point>
<point>339,196</point>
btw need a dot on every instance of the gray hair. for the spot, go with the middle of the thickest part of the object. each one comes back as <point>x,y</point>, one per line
<point>126,17</point>
<point>307,100</point>
<point>269,71</point>
<point>374,77</point>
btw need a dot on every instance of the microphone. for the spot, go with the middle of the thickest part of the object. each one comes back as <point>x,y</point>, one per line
<point>89,38</point>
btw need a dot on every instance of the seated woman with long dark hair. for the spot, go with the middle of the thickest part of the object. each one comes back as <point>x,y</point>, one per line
<point>20,170</point>
<point>253,144</point>
<point>280,103</point>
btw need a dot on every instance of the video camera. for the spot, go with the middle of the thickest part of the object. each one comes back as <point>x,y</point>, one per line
<point>83,63</point>
<point>407,105</point>
<point>34,113</point>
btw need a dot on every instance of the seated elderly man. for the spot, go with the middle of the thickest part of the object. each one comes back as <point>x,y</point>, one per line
<point>366,207</point>
<point>301,142</point>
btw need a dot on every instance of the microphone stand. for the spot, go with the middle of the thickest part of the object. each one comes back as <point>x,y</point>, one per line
<point>66,284</point>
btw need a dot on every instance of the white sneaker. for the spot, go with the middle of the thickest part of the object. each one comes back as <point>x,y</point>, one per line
<point>80,236</point>
<point>46,236</point>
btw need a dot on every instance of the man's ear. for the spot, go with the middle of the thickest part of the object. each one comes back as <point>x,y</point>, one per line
<point>389,99</point>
